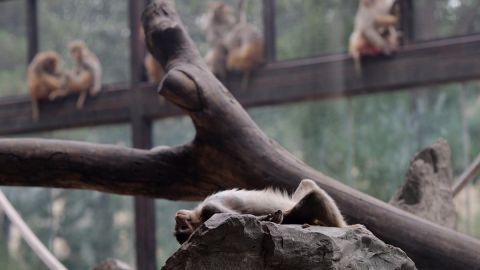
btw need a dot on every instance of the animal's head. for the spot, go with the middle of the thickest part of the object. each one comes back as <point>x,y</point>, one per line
<point>185,225</point>
<point>48,61</point>
<point>219,14</point>
<point>77,49</point>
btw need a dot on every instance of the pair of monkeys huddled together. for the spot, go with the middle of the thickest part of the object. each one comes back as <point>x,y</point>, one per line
<point>234,44</point>
<point>47,81</point>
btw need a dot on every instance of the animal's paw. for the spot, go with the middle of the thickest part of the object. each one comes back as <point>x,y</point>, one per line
<point>276,217</point>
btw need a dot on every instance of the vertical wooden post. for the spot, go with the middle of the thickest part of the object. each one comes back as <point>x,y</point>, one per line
<point>32,29</point>
<point>145,235</point>
<point>407,21</point>
<point>145,243</point>
<point>269,29</point>
<point>137,47</point>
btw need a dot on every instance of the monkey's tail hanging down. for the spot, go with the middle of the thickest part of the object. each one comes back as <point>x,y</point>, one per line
<point>95,67</point>
<point>354,51</point>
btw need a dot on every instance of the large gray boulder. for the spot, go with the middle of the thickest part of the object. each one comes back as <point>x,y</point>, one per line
<point>427,190</point>
<point>228,241</point>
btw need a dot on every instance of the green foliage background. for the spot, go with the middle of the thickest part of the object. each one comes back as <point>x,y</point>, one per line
<point>365,142</point>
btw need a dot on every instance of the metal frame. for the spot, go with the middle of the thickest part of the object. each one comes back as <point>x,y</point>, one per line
<point>430,63</point>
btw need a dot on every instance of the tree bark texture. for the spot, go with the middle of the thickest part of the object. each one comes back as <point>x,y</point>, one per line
<point>427,190</point>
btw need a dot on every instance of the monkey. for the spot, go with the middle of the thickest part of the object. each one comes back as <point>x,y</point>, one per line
<point>155,71</point>
<point>235,44</point>
<point>86,78</point>
<point>44,79</point>
<point>245,47</point>
<point>374,30</point>
<point>216,59</point>
<point>309,204</point>
<point>216,23</point>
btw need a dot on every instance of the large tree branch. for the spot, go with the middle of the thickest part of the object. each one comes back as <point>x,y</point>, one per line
<point>229,150</point>
<point>121,170</point>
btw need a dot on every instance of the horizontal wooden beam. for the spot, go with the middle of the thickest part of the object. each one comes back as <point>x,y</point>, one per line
<point>425,64</point>
<point>110,107</point>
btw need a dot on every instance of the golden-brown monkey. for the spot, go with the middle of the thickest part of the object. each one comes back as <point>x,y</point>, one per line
<point>216,23</point>
<point>309,204</point>
<point>374,30</point>
<point>235,45</point>
<point>245,47</point>
<point>216,59</point>
<point>86,78</point>
<point>155,71</point>
<point>44,79</point>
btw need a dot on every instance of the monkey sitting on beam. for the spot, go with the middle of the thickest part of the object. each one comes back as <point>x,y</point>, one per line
<point>44,79</point>
<point>374,31</point>
<point>234,44</point>
<point>154,70</point>
<point>86,78</point>
<point>309,204</point>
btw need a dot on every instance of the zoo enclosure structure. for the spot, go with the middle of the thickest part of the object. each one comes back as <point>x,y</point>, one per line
<point>441,61</point>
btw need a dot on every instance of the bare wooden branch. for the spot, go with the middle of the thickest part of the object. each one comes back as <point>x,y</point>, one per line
<point>229,150</point>
<point>467,176</point>
<point>121,170</point>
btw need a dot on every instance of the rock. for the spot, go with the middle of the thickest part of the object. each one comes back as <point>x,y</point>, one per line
<point>228,241</point>
<point>427,190</point>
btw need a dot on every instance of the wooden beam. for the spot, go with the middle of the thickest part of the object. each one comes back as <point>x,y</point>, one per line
<point>407,21</point>
<point>137,48</point>
<point>32,29</point>
<point>145,240</point>
<point>424,64</point>
<point>108,107</point>
<point>269,29</point>
<point>145,236</point>
<point>145,225</point>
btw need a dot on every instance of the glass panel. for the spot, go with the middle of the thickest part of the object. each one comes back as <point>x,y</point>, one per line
<point>82,228</point>
<point>444,18</point>
<point>170,132</point>
<point>13,48</point>
<point>311,27</point>
<point>103,25</point>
